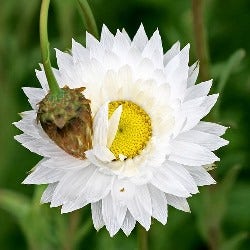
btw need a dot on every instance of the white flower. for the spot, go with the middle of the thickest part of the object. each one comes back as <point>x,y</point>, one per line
<point>150,148</point>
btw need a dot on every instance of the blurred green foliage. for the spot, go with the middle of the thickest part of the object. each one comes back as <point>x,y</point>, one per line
<point>220,214</point>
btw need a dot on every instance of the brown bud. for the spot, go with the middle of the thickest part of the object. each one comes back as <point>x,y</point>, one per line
<point>67,120</point>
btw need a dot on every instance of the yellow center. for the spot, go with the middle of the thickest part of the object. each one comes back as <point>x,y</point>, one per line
<point>134,129</point>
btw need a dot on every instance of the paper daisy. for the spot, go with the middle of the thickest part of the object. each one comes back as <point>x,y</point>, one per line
<point>149,148</point>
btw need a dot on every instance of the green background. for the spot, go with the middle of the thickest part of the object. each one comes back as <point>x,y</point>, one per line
<point>220,217</point>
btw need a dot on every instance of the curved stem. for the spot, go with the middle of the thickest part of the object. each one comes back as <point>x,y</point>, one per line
<point>200,41</point>
<point>88,18</point>
<point>142,238</point>
<point>44,43</point>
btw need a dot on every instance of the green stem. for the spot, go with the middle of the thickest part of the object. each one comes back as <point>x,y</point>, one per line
<point>88,17</point>
<point>44,43</point>
<point>142,238</point>
<point>200,40</point>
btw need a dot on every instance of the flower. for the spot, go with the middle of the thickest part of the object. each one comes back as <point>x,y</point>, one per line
<point>149,147</point>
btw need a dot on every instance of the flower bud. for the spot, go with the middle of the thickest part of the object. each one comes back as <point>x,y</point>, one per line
<point>67,120</point>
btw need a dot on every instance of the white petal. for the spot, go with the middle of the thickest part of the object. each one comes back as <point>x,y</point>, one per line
<point>96,210</point>
<point>200,175</point>
<point>97,186</point>
<point>198,90</point>
<point>79,53</point>
<point>209,141</point>
<point>171,53</point>
<point>43,175</point>
<point>64,60</point>
<point>109,218</point>
<point>196,109</point>
<point>178,202</point>
<point>191,154</point>
<point>100,126</point>
<point>139,213</point>
<point>70,184</point>
<point>113,125</point>
<point>48,193</point>
<point>193,74</point>
<point>107,38</point>
<point>211,128</point>
<point>35,95</point>
<point>159,204</point>
<point>182,175</point>
<point>128,224</point>
<point>166,182</point>
<point>140,39</point>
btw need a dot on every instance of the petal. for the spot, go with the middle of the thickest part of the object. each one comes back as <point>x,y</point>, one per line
<point>96,210</point>
<point>48,193</point>
<point>178,202</point>
<point>79,53</point>
<point>211,128</point>
<point>193,74</point>
<point>191,154</point>
<point>166,182</point>
<point>198,90</point>
<point>109,218</point>
<point>140,39</point>
<point>159,204</point>
<point>70,184</point>
<point>43,175</point>
<point>196,109</point>
<point>209,141</point>
<point>100,126</point>
<point>182,175</point>
<point>171,53</point>
<point>128,224</point>
<point>35,95</point>
<point>200,175</point>
<point>113,124</point>
<point>107,38</point>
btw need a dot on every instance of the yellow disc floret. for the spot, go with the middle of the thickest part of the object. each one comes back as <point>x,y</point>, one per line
<point>134,129</point>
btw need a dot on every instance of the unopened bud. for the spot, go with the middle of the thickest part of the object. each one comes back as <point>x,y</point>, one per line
<point>67,120</point>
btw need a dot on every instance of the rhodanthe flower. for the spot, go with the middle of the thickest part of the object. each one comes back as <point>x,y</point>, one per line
<point>149,148</point>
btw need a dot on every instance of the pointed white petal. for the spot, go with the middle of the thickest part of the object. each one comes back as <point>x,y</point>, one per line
<point>113,125</point>
<point>100,126</point>
<point>191,154</point>
<point>198,90</point>
<point>128,224</point>
<point>70,184</point>
<point>166,182</point>
<point>182,175</point>
<point>48,193</point>
<point>140,39</point>
<point>107,38</point>
<point>96,210</point>
<point>193,74</point>
<point>35,95</point>
<point>43,175</point>
<point>159,204</point>
<point>211,128</point>
<point>171,53</point>
<point>178,202</point>
<point>209,141</point>
<point>109,218</point>
<point>79,53</point>
<point>196,109</point>
<point>200,175</point>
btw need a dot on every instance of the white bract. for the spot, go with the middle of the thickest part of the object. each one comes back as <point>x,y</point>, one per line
<point>150,149</point>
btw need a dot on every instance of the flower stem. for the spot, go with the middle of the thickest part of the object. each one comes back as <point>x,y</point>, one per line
<point>44,43</point>
<point>200,40</point>
<point>142,238</point>
<point>88,17</point>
